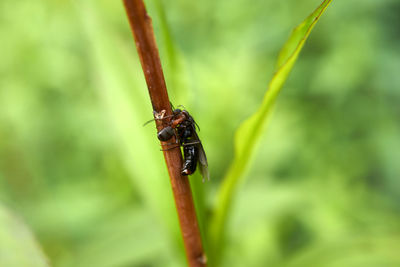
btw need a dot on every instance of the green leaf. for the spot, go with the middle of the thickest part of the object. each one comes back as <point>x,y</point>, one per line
<point>251,130</point>
<point>18,247</point>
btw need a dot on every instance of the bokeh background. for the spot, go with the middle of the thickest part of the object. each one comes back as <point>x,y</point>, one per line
<point>83,183</point>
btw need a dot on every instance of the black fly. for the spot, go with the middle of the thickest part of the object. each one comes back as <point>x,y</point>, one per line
<point>183,126</point>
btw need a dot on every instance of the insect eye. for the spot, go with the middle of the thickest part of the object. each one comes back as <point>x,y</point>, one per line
<point>165,134</point>
<point>177,111</point>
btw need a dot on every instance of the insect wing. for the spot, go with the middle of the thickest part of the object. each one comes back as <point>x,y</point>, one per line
<point>203,164</point>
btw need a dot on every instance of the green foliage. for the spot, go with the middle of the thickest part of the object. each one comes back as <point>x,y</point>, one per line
<point>17,245</point>
<point>90,183</point>
<point>250,131</point>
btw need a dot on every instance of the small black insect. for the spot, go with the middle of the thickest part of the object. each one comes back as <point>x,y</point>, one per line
<point>183,126</point>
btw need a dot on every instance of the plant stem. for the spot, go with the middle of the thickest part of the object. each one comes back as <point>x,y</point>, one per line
<point>147,49</point>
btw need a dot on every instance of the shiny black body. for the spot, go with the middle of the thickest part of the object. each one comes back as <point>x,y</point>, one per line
<point>166,133</point>
<point>189,140</point>
<point>191,156</point>
<point>183,126</point>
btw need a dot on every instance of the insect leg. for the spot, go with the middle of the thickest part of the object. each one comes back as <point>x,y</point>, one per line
<point>166,149</point>
<point>191,143</point>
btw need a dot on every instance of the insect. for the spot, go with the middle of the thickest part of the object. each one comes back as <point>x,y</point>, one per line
<point>183,127</point>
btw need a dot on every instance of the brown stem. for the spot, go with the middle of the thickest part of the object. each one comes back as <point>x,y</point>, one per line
<point>146,46</point>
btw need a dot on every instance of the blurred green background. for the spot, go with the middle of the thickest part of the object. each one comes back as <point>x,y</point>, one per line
<point>82,182</point>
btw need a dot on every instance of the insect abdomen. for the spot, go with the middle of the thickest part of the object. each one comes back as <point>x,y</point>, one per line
<point>191,156</point>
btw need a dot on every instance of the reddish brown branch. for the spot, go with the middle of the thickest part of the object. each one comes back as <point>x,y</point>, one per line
<point>146,46</point>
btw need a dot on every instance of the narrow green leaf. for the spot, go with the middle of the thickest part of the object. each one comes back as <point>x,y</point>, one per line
<point>18,247</point>
<point>250,131</point>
